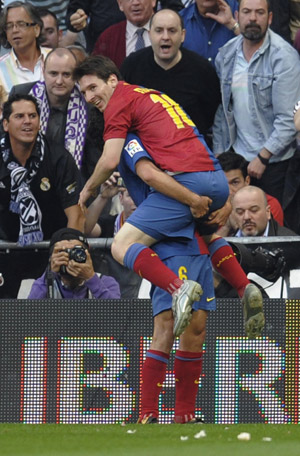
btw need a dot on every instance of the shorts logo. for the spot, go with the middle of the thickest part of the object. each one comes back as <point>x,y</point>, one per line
<point>210,299</point>
<point>133,147</point>
<point>2,185</point>
<point>45,184</point>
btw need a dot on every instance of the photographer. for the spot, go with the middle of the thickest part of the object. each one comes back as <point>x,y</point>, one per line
<point>70,273</point>
<point>252,215</point>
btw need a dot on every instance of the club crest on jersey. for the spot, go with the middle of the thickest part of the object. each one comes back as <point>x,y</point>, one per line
<point>45,184</point>
<point>133,147</point>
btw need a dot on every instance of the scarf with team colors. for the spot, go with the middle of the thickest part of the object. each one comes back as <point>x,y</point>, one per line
<point>22,201</point>
<point>77,118</point>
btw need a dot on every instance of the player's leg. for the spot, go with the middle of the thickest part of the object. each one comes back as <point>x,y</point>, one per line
<point>130,246</point>
<point>225,263</point>
<point>188,368</point>
<point>189,356</point>
<point>154,368</point>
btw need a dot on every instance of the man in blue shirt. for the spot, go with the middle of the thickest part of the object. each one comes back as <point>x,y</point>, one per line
<point>209,25</point>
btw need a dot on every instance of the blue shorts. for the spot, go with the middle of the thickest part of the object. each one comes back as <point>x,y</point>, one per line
<point>160,216</point>
<point>194,267</point>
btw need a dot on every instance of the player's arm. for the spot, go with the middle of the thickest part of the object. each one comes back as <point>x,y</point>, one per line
<point>75,216</point>
<point>107,163</point>
<point>168,186</point>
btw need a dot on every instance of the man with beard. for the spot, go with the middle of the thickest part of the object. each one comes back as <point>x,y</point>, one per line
<point>252,216</point>
<point>259,72</point>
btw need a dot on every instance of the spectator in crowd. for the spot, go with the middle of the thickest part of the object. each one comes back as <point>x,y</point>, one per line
<point>97,15</point>
<point>93,17</point>
<point>108,225</point>
<point>119,40</point>
<point>39,189</point>
<point>209,25</point>
<point>252,212</point>
<point>78,51</point>
<point>70,273</point>
<point>51,34</point>
<point>20,29</point>
<point>255,117</point>
<point>235,169</point>
<point>59,9</point>
<point>253,217</point>
<point>100,224</point>
<point>65,116</point>
<point>167,67</point>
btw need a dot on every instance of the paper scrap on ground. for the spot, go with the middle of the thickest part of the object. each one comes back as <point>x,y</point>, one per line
<point>244,436</point>
<point>200,435</point>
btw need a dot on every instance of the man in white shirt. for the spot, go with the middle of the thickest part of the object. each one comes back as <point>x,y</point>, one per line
<point>20,29</point>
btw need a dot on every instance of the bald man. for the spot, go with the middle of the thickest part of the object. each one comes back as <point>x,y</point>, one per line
<point>65,116</point>
<point>252,214</point>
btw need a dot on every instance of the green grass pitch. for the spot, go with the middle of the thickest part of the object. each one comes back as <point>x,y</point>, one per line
<point>149,440</point>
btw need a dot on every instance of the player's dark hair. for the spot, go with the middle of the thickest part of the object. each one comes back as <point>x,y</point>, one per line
<point>97,65</point>
<point>7,106</point>
<point>230,160</point>
<point>173,11</point>
<point>31,10</point>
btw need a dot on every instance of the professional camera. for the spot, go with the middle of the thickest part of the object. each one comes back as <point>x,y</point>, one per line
<point>77,254</point>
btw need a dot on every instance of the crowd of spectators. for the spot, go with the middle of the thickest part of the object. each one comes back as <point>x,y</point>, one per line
<point>204,54</point>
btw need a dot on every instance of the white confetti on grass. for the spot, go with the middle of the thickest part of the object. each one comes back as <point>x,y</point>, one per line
<point>184,437</point>
<point>131,431</point>
<point>244,436</point>
<point>200,435</point>
<point>267,439</point>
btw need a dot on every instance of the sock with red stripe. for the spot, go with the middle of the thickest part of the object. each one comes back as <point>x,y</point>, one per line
<point>226,264</point>
<point>146,263</point>
<point>187,369</point>
<point>153,377</point>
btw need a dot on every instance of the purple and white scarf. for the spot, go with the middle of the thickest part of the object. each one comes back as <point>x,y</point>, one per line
<point>77,119</point>
<point>22,201</point>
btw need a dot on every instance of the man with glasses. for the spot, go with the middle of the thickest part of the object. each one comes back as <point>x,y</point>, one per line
<point>20,30</point>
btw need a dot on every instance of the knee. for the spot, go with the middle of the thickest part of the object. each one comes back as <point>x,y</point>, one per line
<point>194,336</point>
<point>163,337</point>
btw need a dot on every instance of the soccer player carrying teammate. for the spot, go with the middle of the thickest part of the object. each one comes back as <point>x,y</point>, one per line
<point>176,147</point>
<point>188,258</point>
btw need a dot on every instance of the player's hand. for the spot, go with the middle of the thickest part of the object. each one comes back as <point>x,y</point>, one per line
<point>220,216</point>
<point>201,207</point>
<point>78,20</point>
<point>256,168</point>
<point>85,194</point>
<point>224,15</point>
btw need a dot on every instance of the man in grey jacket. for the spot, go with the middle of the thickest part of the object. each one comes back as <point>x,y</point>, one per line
<point>259,73</point>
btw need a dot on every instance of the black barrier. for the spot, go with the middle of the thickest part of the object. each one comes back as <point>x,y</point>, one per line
<point>78,361</point>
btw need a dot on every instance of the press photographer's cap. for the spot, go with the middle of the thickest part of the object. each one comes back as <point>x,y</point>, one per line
<point>67,234</point>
